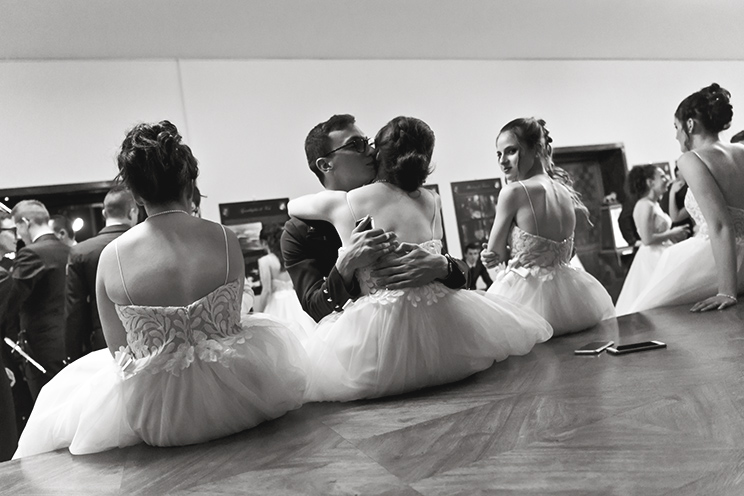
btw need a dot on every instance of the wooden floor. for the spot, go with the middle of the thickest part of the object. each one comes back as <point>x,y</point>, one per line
<point>662,422</point>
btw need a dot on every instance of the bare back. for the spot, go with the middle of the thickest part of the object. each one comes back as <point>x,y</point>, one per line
<point>546,210</point>
<point>414,217</point>
<point>170,261</point>
<point>726,164</point>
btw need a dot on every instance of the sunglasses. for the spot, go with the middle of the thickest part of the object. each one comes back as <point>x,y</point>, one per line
<point>359,144</point>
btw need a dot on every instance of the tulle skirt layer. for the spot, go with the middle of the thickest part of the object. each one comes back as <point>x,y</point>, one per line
<point>396,341</point>
<point>644,263</point>
<point>285,306</point>
<point>570,299</point>
<point>90,406</point>
<point>685,274</point>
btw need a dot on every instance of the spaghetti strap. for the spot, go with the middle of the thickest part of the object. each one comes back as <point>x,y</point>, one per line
<point>353,215</point>
<point>227,254</point>
<point>436,211</point>
<point>534,217</point>
<point>121,273</point>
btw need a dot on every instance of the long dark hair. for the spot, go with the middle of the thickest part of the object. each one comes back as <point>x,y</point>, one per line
<point>272,234</point>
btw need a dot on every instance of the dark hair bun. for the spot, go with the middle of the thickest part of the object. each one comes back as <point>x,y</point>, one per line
<point>711,106</point>
<point>405,146</point>
<point>638,177</point>
<point>155,164</point>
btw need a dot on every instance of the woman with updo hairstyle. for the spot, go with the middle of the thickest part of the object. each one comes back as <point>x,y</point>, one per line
<point>278,297</point>
<point>181,366</point>
<point>391,341</point>
<point>706,270</point>
<point>647,184</point>
<point>532,237</point>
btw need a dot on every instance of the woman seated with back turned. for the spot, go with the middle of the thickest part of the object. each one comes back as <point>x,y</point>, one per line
<point>184,368</point>
<point>533,234</point>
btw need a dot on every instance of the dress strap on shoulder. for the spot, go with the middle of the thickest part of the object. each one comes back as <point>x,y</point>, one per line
<point>437,206</point>
<point>353,215</point>
<point>534,217</point>
<point>121,273</point>
<point>227,254</point>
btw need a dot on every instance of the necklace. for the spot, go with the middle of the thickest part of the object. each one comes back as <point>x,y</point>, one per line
<point>167,212</point>
<point>380,181</point>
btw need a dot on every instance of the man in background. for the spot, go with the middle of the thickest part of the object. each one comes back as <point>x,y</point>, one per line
<point>83,332</point>
<point>62,228</point>
<point>37,293</point>
<point>476,269</point>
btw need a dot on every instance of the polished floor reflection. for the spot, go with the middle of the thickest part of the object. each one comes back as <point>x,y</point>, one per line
<point>667,421</point>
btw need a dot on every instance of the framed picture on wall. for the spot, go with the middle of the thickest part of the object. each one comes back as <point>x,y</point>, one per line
<point>435,188</point>
<point>475,209</point>
<point>246,219</point>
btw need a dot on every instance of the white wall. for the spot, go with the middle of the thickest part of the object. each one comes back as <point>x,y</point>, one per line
<point>60,122</point>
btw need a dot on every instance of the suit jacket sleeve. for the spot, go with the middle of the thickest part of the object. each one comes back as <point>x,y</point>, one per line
<point>459,276</point>
<point>319,293</point>
<point>77,308</point>
<point>5,284</point>
<point>27,268</point>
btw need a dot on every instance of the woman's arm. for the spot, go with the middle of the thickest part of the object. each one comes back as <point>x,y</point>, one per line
<point>264,273</point>
<point>643,216</point>
<point>506,209</point>
<point>113,329</point>
<point>320,206</point>
<point>714,208</point>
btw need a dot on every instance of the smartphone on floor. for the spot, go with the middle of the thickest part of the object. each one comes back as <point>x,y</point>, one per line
<point>632,348</point>
<point>594,348</point>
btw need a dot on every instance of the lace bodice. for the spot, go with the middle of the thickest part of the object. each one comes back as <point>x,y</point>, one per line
<point>168,338</point>
<point>737,215</point>
<point>662,222</point>
<point>530,250</point>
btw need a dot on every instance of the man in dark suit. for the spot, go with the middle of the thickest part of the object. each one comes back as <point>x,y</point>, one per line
<point>83,332</point>
<point>8,430</point>
<point>37,293</point>
<point>342,159</point>
<point>476,269</point>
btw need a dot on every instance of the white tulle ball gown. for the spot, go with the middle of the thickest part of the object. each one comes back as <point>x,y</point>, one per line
<point>540,276</point>
<point>686,272</point>
<point>394,341</point>
<point>189,374</point>
<point>644,263</point>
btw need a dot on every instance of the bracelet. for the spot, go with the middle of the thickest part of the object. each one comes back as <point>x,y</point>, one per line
<point>732,298</point>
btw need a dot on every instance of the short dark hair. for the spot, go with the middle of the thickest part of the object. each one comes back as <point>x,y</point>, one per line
<point>155,164</point>
<point>118,202</point>
<point>711,106</point>
<point>473,246</point>
<point>317,143</point>
<point>404,149</point>
<point>60,222</point>
<point>33,210</point>
<point>738,137</point>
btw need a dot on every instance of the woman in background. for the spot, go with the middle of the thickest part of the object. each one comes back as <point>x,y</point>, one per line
<point>393,341</point>
<point>647,183</point>
<point>533,234</point>
<point>706,270</point>
<point>278,297</point>
<point>184,368</point>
